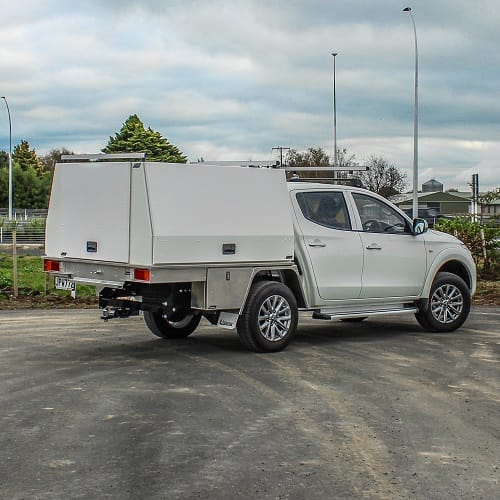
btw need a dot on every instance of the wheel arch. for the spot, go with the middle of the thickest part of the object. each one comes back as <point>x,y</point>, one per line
<point>454,266</point>
<point>288,277</point>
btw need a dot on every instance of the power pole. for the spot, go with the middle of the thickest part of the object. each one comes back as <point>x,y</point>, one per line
<point>280,149</point>
<point>475,197</point>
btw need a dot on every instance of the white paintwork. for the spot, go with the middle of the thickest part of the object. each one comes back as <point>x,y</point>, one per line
<point>175,214</point>
<point>335,257</point>
<point>403,268</point>
<point>442,247</point>
<point>89,202</point>
<point>398,269</point>
<point>195,209</point>
<point>141,234</point>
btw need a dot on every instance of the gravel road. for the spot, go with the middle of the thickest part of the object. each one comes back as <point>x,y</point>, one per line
<point>379,409</point>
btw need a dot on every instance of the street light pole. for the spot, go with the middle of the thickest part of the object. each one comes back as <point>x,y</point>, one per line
<point>10,157</point>
<point>415,123</point>
<point>13,227</point>
<point>334,54</point>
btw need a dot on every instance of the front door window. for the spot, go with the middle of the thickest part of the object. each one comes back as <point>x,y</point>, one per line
<point>378,217</point>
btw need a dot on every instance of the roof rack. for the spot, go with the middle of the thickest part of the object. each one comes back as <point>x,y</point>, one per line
<point>236,163</point>
<point>276,164</point>
<point>348,181</point>
<point>344,181</point>
<point>351,168</point>
<point>105,156</point>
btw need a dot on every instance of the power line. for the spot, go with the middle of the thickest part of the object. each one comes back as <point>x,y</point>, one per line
<point>280,149</point>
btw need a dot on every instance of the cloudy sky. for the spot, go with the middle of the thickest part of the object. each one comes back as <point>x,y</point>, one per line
<point>232,79</point>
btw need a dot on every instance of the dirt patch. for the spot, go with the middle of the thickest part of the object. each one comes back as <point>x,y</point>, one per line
<point>41,301</point>
<point>487,293</point>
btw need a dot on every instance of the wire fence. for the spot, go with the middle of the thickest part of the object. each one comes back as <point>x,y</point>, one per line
<point>25,235</point>
<point>24,214</point>
<point>28,223</point>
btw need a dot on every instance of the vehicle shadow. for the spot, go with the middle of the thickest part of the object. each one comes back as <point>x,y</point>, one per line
<point>362,332</point>
<point>214,342</point>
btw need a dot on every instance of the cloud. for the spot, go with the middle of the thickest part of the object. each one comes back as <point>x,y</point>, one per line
<point>244,76</point>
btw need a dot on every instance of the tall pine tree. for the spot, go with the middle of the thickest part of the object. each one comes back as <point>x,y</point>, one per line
<point>31,185</point>
<point>134,138</point>
<point>26,157</point>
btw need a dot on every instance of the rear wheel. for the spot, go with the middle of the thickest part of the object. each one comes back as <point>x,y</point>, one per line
<point>269,319</point>
<point>176,328</point>
<point>448,305</point>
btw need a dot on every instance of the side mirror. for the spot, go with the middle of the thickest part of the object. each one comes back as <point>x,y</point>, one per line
<point>420,226</point>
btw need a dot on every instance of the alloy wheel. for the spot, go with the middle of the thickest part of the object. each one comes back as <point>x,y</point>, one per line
<point>447,303</point>
<point>275,317</point>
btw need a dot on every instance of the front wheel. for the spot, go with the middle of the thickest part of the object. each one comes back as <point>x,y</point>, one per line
<point>171,329</point>
<point>269,318</point>
<point>448,305</point>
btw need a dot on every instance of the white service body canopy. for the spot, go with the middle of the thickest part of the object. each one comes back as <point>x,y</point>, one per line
<point>167,213</point>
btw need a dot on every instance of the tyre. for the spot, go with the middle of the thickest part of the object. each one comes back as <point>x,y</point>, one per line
<point>448,305</point>
<point>269,318</point>
<point>171,329</point>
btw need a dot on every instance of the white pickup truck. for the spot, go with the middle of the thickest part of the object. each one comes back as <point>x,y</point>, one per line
<point>245,249</point>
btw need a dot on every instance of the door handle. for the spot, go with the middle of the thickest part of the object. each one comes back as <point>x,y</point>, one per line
<point>374,246</point>
<point>317,243</point>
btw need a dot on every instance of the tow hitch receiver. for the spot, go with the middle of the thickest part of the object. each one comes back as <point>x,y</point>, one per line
<point>110,312</point>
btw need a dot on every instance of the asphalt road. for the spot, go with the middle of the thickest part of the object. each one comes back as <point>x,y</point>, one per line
<point>373,410</point>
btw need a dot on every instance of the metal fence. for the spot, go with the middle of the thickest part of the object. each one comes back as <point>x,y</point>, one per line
<point>24,214</point>
<point>29,224</point>
<point>25,235</point>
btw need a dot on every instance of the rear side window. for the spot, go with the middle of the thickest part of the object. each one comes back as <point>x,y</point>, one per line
<point>325,208</point>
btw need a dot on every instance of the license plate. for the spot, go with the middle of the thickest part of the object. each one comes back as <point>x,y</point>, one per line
<point>64,284</point>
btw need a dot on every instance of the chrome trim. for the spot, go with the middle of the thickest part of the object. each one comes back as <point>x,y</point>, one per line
<point>358,314</point>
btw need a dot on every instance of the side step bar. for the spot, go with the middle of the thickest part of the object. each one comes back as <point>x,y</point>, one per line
<point>360,314</point>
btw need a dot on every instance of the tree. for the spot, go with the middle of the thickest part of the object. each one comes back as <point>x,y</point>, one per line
<point>489,197</point>
<point>49,160</point>
<point>345,159</point>
<point>383,177</point>
<point>481,240</point>
<point>134,138</point>
<point>26,157</point>
<point>4,159</point>
<point>31,189</point>
<point>4,187</point>
<point>30,183</point>
<point>313,157</point>
<point>317,157</point>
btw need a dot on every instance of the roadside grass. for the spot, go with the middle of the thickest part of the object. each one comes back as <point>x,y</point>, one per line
<point>34,284</point>
<point>34,292</point>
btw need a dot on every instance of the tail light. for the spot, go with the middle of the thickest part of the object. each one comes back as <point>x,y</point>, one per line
<point>142,274</point>
<point>51,265</point>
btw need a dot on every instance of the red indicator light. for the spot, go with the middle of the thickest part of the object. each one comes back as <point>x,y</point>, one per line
<point>142,274</point>
<point>51,265</point>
